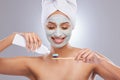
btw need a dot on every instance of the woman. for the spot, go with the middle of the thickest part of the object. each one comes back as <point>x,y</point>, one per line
<point>83,65</point>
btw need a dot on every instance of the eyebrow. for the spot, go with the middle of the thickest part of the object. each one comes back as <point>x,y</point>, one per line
<point>52,23</point>
<point>64,23</point>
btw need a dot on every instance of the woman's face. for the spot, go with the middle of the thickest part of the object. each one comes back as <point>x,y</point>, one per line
<point>58,30</point>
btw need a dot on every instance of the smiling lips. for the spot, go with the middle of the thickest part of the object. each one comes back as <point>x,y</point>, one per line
<point>58,40</point>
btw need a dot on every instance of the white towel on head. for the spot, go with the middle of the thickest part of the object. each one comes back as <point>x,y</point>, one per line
<point>68,7</point>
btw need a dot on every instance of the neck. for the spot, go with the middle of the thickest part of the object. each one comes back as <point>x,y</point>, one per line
<point>63,51</point>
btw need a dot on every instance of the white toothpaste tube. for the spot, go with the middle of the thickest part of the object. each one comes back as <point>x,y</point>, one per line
<point>20,41</point>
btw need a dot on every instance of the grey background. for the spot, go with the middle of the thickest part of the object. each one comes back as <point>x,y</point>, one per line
<point>97,27</point>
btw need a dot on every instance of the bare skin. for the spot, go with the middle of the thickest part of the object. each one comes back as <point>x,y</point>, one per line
<point>61,69</point>
<point>6,42</point>
<point>85,65</point>
<point>44,68</point>
<point>40,68</point>
<point>32,41</point>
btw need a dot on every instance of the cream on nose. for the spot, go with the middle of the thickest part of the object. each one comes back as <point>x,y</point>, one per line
<point>58,33</point>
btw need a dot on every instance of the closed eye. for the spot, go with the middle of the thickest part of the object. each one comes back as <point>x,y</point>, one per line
<point>51,26</point>
<point>65,25</point>
<point>64,28</point>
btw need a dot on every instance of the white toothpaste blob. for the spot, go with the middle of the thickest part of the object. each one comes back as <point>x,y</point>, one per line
<point>58,37</point>
<point>55,55</point>
<point>20,41</point>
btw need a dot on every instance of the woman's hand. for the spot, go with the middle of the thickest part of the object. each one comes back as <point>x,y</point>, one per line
<point>33,41</point>
<point>89,56</point>
<point>103,66</point>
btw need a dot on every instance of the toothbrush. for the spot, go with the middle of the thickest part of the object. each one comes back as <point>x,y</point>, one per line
<point>56,57</point>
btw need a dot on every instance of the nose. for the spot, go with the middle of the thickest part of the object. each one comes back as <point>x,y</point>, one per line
<point>58,33</point>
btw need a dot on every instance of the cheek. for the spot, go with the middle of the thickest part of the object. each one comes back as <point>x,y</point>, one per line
<point>67,32</point>
<point>49,32</point>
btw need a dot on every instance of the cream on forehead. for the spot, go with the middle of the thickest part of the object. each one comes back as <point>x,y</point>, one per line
<point>58,19</point>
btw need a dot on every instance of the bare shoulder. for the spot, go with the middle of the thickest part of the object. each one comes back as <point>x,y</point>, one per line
<point>76,49</point>
<point>34,60</point>
<point>81,48</point>
<point>78,52</point>
<point>19,65</point>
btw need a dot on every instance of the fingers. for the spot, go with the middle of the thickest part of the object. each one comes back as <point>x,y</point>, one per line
<point>90,58</point>
<point>86,55</point>
<point>36,41</point>
<point>25,35</point>
<point>32,41</point>
<point>80,54</point>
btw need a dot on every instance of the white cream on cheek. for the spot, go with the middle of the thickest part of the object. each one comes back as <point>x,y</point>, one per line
<point>58,31</point>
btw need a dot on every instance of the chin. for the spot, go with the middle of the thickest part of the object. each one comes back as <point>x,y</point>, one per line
<point>59,45</point>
